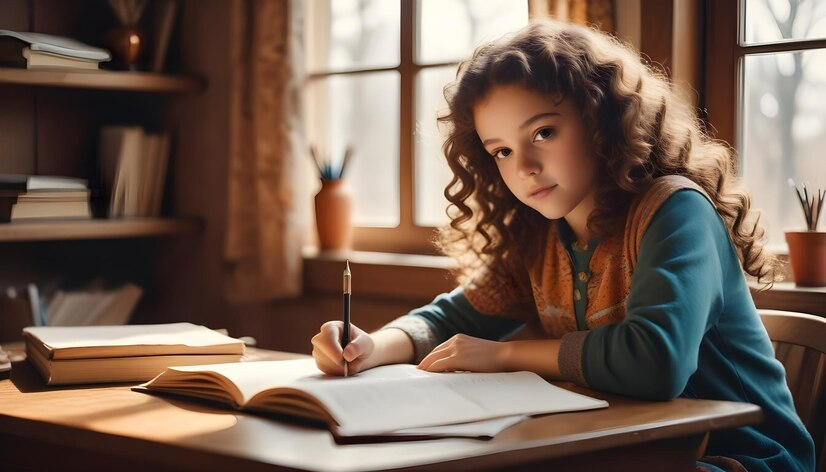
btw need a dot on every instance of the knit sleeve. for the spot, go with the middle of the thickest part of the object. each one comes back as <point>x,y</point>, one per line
<point>675,292</point>
<point>447,315</point>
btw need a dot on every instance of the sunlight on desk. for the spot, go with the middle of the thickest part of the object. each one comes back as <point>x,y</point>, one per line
<point>110,410</point>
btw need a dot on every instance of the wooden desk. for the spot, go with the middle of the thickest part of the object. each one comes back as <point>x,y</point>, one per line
<point>113,428</point>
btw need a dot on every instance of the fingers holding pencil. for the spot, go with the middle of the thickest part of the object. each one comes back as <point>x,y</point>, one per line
<point>330,357</point>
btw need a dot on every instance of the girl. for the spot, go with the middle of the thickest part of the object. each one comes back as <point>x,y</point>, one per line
<point>589,209</point>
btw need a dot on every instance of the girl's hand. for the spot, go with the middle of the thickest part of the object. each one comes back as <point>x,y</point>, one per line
<point>328,354</point>
<point>463,352</point>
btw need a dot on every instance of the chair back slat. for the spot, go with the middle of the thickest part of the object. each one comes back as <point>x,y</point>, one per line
<point>799,342</point>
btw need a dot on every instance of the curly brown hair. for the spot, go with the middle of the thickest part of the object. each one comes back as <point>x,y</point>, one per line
<point>640,128</point>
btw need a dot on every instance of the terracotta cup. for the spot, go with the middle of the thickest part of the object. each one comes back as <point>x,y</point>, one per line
<point>333,216</point>
<point>128,44</point>
<point>807,253</point>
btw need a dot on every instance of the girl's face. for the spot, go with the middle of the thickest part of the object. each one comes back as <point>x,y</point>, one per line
<point>540,148</point>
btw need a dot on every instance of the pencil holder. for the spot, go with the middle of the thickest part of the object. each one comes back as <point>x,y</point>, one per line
<point>333,215</point>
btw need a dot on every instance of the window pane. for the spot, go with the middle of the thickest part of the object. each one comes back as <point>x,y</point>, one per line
<point>361,110</point>
<point>449,30</point>
<point>432,172</point>
<point>352,34</point>
<point>777,20</point>
<point>783,133</point>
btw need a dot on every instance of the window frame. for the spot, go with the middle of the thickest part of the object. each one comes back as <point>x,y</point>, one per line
<point>724,65</point>
<point>407,237</point>
<point>723,75</point>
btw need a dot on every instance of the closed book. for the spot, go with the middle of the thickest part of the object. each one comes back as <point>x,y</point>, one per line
<point>81,342</point>
<point>38,59</point>
<point>40,204</point>
<point>133,167</point>
<point>13,43</point>
<point>42,196</point>
<point>388,401</point>
<point>50,210</point>
<point>114,369</point>
<point>122,160</point>
<point>22,182</point>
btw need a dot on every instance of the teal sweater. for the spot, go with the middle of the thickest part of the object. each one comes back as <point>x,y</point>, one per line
<point>691,330</point>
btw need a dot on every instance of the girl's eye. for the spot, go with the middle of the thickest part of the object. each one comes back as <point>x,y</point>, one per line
<point>501,153</point>
<point>544,134</point>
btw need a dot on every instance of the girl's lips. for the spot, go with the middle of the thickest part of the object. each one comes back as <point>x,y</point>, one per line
<point>542,192</point>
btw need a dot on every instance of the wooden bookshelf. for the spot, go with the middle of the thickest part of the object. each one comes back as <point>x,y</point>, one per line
<point>98,229</point>
<point>101,80</point>
<point>50,122</point>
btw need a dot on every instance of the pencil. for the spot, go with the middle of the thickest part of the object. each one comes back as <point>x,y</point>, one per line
<point>345,334</point>
<point>347,154</point>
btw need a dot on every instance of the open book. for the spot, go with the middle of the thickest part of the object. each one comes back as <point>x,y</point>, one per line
<point>393,400</point>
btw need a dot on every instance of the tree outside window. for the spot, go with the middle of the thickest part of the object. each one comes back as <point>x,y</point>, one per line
<point>776,104</point>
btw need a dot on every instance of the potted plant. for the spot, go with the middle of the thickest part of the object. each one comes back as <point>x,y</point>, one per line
<point>807,249</point>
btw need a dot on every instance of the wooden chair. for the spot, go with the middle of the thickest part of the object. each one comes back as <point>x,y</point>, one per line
<point>800,344</point>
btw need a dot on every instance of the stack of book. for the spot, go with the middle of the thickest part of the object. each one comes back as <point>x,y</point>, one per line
<point>102,354</point>
<point>133,167</point>
<point>32,197</point>
<point>39,50</point>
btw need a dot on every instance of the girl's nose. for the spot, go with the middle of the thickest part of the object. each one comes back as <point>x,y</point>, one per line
<point>528,165</point>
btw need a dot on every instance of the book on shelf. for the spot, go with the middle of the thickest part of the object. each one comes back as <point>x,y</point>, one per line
<point>398,400</point>
<point>39,59</point>
<point>133,166</point>
<point>34,197</point>
<point>93,306</point>
<point>24,182</point>
<point>128,353</point>
<point>33,50</point>
<point>34,210</point>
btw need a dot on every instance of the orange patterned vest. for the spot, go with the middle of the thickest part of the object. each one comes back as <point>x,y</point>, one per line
<point>547,306</point>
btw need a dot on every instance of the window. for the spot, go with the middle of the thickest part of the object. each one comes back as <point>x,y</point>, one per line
<point>376,73</point>
<point>773,109</point>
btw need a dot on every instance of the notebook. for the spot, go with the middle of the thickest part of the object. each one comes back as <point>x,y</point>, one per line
<point>389,401</point>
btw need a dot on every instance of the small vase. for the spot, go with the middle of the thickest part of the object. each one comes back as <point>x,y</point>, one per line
<point>127,43</point>
<point>333,216</point>
<point>807,253</point>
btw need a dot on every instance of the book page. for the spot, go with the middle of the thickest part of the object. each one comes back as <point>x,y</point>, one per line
<point>252,378</point>
<point>377,406</point>
<point>397,397</point>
